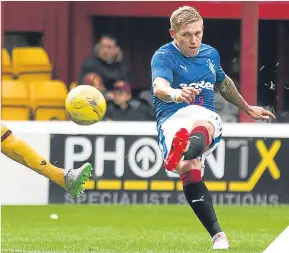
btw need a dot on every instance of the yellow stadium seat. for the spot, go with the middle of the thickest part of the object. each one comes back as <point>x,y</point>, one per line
<point>15,101</point>
<point>50,114</point>
<point>47,100</point>
<point>7,71</point>
<point>15,113</point>
<point>31,64</point>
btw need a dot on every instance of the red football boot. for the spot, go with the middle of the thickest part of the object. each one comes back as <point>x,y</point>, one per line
<point>179,146</point>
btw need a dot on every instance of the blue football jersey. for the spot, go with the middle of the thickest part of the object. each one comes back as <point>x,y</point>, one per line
<point>200,71</point>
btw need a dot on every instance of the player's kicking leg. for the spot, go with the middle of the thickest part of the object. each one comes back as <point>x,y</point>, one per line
<point>17,150</point>
<point>189,147</point>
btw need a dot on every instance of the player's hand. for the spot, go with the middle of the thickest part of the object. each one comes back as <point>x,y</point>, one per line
<point>187,95</point>
<point>257,113</point>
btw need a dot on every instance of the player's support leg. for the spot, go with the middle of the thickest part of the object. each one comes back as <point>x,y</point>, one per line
<point>191,146</point>
<point>17,150</point>
<point>199,198</point>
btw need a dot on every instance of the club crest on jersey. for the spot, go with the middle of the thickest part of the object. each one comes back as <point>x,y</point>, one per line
<point>211,65</point>
<point>202,85</point>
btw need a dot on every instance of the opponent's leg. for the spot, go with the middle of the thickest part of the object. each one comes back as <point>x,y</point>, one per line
<point>21,152</point>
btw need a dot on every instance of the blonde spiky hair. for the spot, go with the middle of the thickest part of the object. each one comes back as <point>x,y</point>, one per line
<point>184,15</point>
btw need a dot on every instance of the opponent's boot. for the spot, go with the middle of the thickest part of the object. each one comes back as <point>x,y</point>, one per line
<point>75,178</point>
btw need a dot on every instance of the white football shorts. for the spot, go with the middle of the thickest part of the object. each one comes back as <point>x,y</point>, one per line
<point>185,118</point>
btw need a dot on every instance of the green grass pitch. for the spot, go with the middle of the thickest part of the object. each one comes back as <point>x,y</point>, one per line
<point>172,228</point>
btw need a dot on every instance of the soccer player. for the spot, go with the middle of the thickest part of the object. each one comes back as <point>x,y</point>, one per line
<point>184,74</point>
<point>17,150</point>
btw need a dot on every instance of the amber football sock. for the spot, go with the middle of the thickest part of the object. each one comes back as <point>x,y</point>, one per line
<point>21,152</point>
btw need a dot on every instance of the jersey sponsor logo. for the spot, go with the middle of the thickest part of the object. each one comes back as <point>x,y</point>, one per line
<point>202,84</point>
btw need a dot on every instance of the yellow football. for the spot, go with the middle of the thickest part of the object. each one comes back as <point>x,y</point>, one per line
<point>85,105</point>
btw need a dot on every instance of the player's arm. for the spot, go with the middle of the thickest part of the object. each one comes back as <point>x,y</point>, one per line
<point>162,76</point>
<point>164,91</point>
<point>230,93</point>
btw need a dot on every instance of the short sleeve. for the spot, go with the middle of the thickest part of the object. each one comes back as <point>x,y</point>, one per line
<point>220,74</point>
<point>161,67</point>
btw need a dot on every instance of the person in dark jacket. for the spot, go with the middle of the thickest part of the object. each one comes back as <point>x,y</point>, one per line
<point>123,108</point>
<point>106,61</point>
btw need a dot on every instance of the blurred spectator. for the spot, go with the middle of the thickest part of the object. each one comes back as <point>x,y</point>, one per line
<point>123,108</point>
<point>94,80</point>
<point>282,117</point>
<point>106,61</point>
<point>146,97</point>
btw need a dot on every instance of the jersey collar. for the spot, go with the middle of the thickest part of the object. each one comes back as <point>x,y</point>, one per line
<point>174,44</point>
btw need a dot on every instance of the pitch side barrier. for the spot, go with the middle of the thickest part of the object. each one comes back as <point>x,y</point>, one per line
<point>249,167</point>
